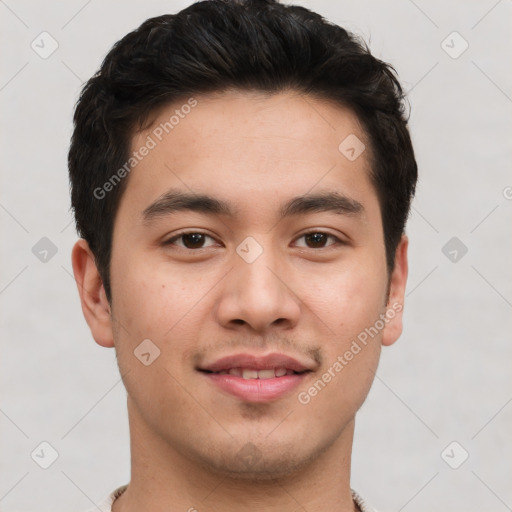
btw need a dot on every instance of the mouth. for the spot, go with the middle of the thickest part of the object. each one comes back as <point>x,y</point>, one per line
<point>263,374</point>
<point>256,379</point>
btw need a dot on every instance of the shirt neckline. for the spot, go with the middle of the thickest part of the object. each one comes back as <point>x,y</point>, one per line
<point>358,500</point>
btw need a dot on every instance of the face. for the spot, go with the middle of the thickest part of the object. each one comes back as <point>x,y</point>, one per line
<point>247,244</point>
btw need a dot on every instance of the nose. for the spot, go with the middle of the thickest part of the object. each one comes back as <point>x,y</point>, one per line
<point>258,295</point>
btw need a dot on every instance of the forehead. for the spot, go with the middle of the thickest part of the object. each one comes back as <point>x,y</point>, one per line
<point>289,125</point>
<point>250,148</point>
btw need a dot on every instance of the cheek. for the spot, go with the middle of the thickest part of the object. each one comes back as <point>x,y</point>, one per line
<point>350,304</point>
<point>347,297</point>
<point>150,297</point>
<point>156,302</point>
<point>151,303</point>
<point>338,392</point>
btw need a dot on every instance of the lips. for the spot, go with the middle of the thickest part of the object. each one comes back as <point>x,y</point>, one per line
<point>253,378</point>
<point>244,365</point>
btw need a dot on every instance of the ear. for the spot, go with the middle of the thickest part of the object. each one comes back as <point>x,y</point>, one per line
<point>95,306</point>
<point>395,305</point>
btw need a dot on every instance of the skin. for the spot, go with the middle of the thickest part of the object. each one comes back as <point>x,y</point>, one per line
<point>254,151</point>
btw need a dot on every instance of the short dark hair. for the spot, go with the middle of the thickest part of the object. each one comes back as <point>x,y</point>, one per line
<point>218,45</point>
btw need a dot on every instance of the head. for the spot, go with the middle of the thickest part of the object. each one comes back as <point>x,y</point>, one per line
<point>241,177</point>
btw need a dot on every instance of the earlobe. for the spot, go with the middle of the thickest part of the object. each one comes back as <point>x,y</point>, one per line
<point>395,305</point>
<point>95,306</point>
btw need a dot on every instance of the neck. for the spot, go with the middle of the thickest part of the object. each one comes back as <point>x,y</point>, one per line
<point>163,479</point>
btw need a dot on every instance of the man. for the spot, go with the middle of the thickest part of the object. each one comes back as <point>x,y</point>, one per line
<point>241,177</point>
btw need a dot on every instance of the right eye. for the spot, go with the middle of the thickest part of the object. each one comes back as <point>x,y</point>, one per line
<point>190,240</point>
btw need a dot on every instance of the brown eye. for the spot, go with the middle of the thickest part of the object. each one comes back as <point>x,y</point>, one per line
<point>192,240</point>
<point>317,240</point>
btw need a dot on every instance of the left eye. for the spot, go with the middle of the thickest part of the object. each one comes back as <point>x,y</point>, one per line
<point>317,240</point>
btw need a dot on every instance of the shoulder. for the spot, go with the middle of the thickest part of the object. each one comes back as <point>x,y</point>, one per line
<point>361,503</point>
<point>106,504</point>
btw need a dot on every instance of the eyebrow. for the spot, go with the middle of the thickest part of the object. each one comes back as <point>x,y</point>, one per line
<point>174,201</point>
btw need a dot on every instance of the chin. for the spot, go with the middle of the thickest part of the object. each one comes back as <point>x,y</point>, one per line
<point>251,463</point>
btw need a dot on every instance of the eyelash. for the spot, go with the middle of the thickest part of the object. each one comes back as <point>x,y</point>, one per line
<point>338,242</point>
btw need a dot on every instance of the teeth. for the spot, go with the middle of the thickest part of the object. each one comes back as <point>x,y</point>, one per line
<point>250,374</point>
<point>247,373</point>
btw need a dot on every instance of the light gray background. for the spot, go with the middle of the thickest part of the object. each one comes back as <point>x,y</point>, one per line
<point>447,379</point>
